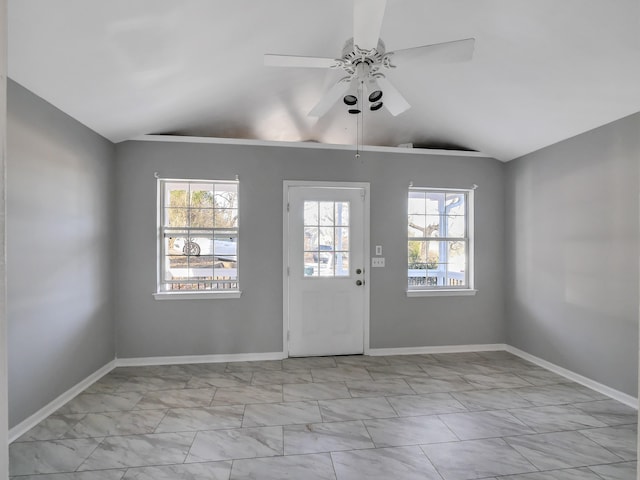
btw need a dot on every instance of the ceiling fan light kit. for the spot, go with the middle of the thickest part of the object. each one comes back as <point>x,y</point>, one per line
<point>364,56</point>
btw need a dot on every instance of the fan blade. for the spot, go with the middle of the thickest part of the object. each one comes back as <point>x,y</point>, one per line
<point>367,22</point>
<point>331,97</point>
<point>392,99</point>
<point>271,60</point>
<point>447,52</point>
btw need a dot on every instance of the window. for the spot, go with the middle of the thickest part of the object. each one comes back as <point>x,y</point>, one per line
<point>198,249</point>
<point>440,250</point>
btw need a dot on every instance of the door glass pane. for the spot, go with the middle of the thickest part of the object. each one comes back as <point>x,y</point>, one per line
<point>326,239</point>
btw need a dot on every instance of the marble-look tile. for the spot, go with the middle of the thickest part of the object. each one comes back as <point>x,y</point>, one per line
<point>556,394</point>
<point>459,357</point>
<point>500,380</point>
<point>621,440</point>
<point>498,399</point>
<point>555,418</point>
<point>204,368</point>
<point>193,471</point>
<point>101,402</point>
<point>616,471</point>
<point>307,467</point>
<point>360,360</point>
<point>305,363</point>
<point>185,398</point>
<point>210,418</point>
<point>147,384</point>
<point>95,475</point>
<point>278,377</point>
<point>215,379</point>
<point>248,394</point>
<point>394,432</point>
<point>540,376</point>
<point>235,444</point>
<point>477,425</point>
<point>51,428</point>
<point>476,459</point>
<point>139,451</point>
<point>443,370</point>
<point>419,359</point>
<point>564,474</point>
<point>256,366</point>
<point>406,463</point>
<point>381,372</point>
<point>355,409</point>
<point>53,456</point>
<point>314,391</point>
<point>340,374</point>
<point>610,412</point>
<point>288,413</point>
<point>438,385</point>
<point>326,437</point>
<point>379,388</point>
<point>116,423</point>
<point>425,404</point>
<point>553,451</point>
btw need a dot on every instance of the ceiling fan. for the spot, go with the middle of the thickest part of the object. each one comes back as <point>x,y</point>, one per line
<point>364,56</point>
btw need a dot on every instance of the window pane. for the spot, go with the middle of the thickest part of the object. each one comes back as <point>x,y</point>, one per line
<point>342,213</point>
<point>201,218</point>
<point>326,238</point>
<point>326,213</point>
<point>417,203</point>
<point>455,203</point>
<point>201,267</point>
<point>225,245</point>
<point>311,213</point>
<point>226,218</point>
<point>435,202</point>
<point>225,195</point>
<point>341,262</point>
<point>342,238</point>
<point>176,194</point>
<point>311,235</point>
<point>201,195</point>
<point>456,226</point>
<point>457,256</point>
<point>417,225</point>
<point>176,217</point>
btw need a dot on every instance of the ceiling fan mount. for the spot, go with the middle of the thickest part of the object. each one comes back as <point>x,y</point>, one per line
<point>364,55</point>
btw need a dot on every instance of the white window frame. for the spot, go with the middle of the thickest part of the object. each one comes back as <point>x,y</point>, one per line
<point>161,290</point>
<point>446,290</point>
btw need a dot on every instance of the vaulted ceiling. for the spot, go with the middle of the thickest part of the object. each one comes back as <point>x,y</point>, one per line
<point>542,71</point>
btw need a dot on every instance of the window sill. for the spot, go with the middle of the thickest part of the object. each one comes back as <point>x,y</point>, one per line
<point>196,295</point>
<point>442,293</point>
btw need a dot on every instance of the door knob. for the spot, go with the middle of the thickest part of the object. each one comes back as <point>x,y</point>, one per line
<point>358,271</point>
<point>359,282</point>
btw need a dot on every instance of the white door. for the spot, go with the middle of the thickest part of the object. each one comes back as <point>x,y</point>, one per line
<point>326,287</point>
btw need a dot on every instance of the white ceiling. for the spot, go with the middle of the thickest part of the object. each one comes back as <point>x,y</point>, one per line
<point>543,70</point>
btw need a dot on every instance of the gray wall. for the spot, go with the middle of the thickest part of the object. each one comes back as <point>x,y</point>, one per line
<point>253,323</point>
<point>572,258</point>
<point>59,224</point>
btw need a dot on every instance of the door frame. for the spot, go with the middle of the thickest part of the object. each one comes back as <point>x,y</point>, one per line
<point>287,184</point>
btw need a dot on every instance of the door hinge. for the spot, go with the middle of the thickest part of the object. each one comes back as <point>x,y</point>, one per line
<point>288,335</point>
<point>288,206</point>
<point>287,271</point>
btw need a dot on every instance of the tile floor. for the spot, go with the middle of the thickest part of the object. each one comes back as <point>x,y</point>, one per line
<point>463,416</point>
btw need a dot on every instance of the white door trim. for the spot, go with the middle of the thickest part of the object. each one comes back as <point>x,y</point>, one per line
<point>285,254</point>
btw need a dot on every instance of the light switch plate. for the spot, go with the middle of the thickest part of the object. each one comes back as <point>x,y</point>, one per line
<point>377,262</point>
<point>378,250</point>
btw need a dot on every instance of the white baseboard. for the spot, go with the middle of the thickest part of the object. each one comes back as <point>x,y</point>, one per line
<point>587,382</point>
<point>30,422</point>
<point>489,347</point>
<point>183,359</point>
